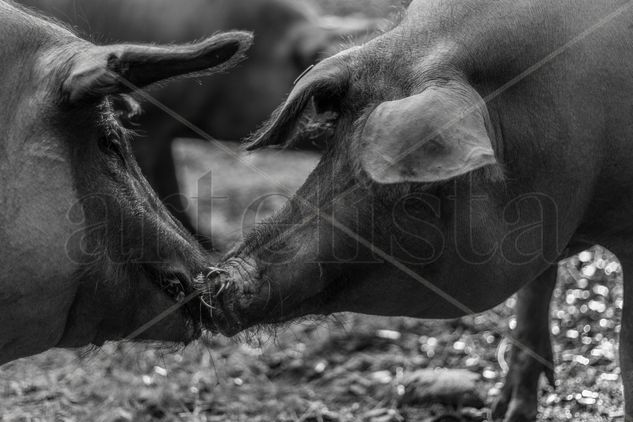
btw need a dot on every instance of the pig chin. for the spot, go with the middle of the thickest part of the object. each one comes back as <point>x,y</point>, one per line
<point>165,315</point>
<point>151,311</point>
<point>243,294</point>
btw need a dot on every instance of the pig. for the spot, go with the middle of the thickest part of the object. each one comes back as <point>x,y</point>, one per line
<point>291,35</point>
<point>89,253</point>
<point>469,149</point>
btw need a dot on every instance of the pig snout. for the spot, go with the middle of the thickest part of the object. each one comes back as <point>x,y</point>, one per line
<point>228,292</point>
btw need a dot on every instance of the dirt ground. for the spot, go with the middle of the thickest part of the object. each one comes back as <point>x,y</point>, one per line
<point>344,368</point>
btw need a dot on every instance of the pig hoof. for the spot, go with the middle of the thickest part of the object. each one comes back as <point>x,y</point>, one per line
<point>517,410</point>
<point>519,396</point>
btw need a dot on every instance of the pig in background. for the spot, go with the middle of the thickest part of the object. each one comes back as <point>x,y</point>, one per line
<point>290,36</point>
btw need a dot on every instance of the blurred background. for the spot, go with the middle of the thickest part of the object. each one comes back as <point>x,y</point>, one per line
<point>345,368</point>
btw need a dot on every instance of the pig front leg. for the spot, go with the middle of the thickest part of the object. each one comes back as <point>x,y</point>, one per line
<point>518,400</point>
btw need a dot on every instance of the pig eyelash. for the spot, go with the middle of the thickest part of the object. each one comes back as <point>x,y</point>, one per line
<point>111,147</point>
<point>114,137</point>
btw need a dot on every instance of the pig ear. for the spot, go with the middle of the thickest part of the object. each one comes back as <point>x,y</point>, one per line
<point>328,80</point>
<point>433,136</point>
<point>117,69</point>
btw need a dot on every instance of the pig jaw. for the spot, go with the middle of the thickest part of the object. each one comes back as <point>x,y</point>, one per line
<point>169,314</point>
<point>143,308</point>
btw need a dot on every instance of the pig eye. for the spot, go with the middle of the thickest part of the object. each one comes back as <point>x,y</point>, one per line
<point>112,147</point>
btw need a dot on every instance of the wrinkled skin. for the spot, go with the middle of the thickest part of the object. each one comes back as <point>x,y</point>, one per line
<point>290,36</point>
<point>88,253</point>
<point>466,230</point>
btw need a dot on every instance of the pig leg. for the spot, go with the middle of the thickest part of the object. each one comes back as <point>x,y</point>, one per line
<point>518,400</point>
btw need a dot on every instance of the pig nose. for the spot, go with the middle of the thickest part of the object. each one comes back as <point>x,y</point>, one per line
<point>218,293</point>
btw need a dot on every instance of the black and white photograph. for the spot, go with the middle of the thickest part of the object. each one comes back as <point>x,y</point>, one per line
<point>316,210</point>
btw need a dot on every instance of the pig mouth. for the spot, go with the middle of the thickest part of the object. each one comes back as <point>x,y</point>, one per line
<point>235,306</point>
<point>221,315</point>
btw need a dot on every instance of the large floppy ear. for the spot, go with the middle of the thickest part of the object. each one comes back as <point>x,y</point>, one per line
<point>103,70</point>
<point>437,135</point>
